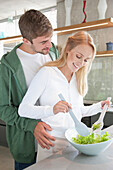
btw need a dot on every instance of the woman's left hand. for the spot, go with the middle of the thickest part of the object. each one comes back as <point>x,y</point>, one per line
<point>105,102</point>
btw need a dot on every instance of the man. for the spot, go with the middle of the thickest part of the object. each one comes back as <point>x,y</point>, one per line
<point>17,69</point>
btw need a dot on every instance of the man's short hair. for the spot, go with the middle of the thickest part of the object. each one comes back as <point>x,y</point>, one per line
<point>34,24</point>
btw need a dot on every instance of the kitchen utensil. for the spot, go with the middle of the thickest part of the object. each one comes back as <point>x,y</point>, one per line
<point>99,123</point>
<point>81,128</point>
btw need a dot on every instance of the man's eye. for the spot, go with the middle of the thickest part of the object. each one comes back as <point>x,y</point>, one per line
<point>43,42</point>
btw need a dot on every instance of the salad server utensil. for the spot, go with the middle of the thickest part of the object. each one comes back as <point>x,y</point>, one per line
<point>81,128</point>
<point>98,125</point>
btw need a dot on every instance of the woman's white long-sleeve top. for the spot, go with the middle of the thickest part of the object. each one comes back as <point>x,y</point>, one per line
<point>42,95</point>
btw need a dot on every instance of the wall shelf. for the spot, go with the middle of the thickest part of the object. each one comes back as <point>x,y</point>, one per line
<point>88,26</point>
<point>10,38</point>
<point>104,53</point>
<point>18,38</point>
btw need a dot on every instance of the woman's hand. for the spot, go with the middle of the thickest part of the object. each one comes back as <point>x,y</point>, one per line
<point>105,102</point>
<point>61,106</point>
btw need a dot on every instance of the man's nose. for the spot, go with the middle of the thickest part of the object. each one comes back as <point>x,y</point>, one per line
<point>49,44</point>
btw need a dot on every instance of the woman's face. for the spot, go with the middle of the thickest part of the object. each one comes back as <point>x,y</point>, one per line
<point>79,57</point>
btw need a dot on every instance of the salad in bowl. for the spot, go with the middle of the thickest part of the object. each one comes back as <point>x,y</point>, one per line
<point>93,144</point>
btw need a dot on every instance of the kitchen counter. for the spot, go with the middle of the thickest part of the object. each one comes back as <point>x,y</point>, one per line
<point>77,160</point>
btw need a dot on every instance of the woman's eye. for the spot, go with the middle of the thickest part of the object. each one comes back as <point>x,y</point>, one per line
<point>79,57</point>
<point>85,61</point>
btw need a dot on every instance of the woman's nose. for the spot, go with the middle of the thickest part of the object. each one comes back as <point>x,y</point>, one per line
<point>82,62</point>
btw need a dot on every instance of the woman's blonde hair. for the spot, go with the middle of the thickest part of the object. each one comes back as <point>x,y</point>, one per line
<point>81,37</point>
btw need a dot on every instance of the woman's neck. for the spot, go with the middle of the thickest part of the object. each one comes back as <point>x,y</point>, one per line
<point>67,73</point>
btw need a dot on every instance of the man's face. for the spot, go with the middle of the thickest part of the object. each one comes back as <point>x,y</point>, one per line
<point>41,44</point>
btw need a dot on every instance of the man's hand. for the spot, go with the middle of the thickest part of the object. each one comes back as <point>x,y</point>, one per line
<point>42,137</point>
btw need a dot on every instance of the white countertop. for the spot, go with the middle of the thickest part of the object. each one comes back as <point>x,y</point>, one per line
<point>77,160</point>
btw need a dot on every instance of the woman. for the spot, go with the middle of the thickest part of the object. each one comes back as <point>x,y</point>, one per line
<point>67,75</point>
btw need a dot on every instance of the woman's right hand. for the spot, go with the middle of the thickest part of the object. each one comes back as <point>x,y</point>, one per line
<point>61,106</point>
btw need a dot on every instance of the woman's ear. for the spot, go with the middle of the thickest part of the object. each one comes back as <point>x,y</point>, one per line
<point>66,50</point>
<point>66,54</point>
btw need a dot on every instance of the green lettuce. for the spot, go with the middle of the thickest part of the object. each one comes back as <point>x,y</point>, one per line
<point>96,126</point>
<point>91,139</point>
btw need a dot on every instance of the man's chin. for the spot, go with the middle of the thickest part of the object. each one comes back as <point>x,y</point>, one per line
<point>45,52</point>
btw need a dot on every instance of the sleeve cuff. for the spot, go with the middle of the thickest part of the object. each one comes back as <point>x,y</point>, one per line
<point>48,111</point>
<point>98,106</point>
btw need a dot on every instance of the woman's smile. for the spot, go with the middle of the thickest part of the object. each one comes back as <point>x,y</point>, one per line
<point>75,66</point>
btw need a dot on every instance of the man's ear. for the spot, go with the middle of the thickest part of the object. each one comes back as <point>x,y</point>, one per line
<point>26,41</point>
